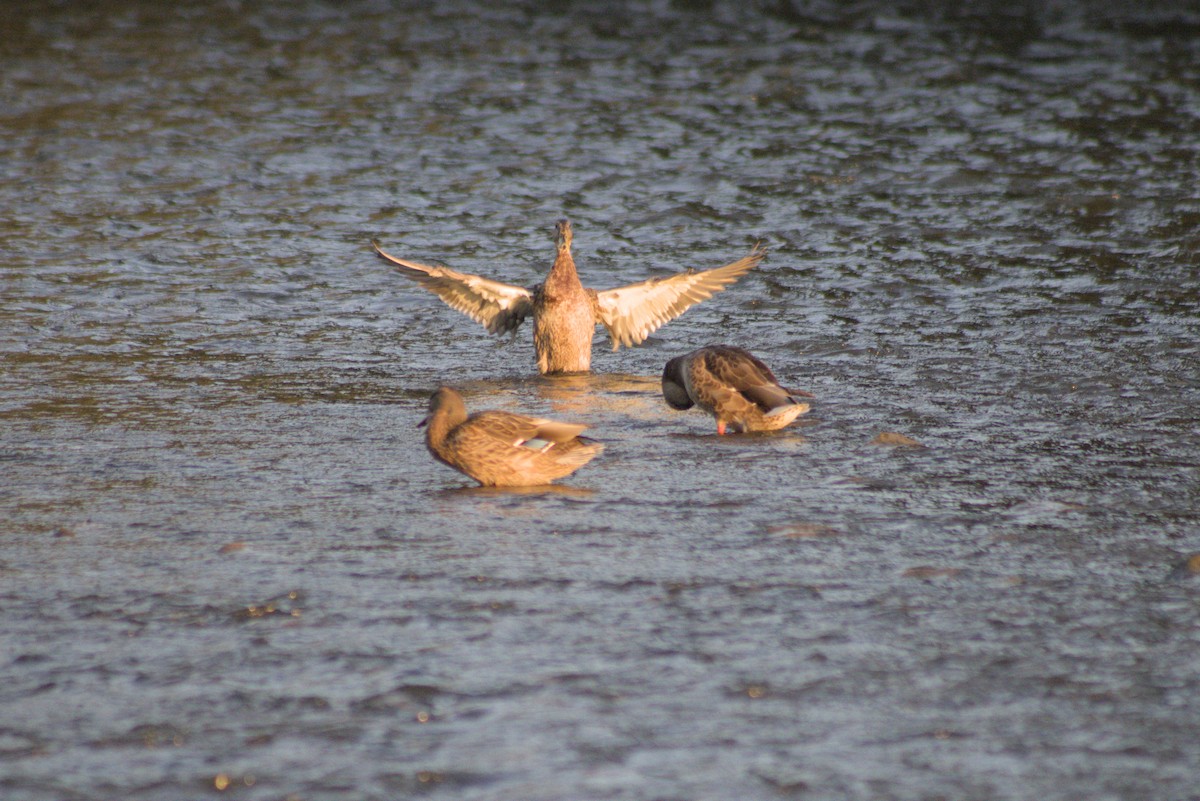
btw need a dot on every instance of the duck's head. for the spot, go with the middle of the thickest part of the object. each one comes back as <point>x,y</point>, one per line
<point>446,403</point>
<point>562,234</point>
<point>673,387</point>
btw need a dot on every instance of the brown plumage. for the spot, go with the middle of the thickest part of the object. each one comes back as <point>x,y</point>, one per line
<point>564,313</point>
<point>502,449</point>
<point>733,386</point>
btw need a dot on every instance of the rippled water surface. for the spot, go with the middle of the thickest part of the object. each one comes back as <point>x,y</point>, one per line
<point>229,567</point>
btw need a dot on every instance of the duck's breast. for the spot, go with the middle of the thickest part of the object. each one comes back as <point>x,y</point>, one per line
<point>563,327</point>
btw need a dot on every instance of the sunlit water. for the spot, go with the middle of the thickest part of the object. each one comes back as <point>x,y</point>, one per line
<point>228,565</point>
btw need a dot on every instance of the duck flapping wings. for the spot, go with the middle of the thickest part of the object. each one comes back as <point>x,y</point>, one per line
<point>630,313</point>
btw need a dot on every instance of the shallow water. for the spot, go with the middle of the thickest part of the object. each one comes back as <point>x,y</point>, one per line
<point>228,565</point>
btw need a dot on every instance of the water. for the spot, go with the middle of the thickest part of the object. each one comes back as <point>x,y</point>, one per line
<point>228,565</point>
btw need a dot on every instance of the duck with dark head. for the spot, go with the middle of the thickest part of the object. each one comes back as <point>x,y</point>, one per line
<point>734,386</point>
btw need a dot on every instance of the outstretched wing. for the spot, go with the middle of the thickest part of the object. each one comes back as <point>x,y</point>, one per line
<point>631,313</point>
<point>500,307</point>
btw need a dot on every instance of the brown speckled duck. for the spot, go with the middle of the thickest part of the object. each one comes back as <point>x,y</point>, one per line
<point>733,386</point>
<point>564,313</point>
<point>502,449</point>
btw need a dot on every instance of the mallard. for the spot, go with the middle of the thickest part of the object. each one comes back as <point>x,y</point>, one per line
<point>564,313</point>
<point>733,386</point>
<point>502,449</point>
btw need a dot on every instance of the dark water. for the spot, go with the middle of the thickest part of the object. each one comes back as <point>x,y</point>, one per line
<point>228,566</point>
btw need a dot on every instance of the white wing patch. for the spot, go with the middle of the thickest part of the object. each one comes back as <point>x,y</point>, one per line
<point>500,307</point>
<point>633,312</point>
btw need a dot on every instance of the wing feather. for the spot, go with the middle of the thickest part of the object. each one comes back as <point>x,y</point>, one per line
<point>746,373</point>
<point>515,428</point>
<point>498,306</point>
<point>633,312</point>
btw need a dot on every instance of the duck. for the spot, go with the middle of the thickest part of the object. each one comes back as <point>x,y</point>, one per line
<point>564,312</point>
<point>503,449</point>
<point>734,386</point>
